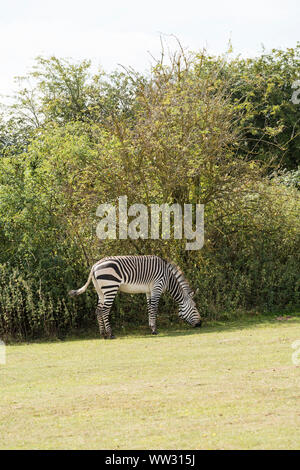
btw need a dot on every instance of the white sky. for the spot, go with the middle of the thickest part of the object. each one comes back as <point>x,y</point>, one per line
<point>114,31</point>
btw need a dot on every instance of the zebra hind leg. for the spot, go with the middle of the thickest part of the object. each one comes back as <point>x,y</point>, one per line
<point>109,297</point>
<point>106,323</point>
<point>100,320</point>
<point>106,298</point>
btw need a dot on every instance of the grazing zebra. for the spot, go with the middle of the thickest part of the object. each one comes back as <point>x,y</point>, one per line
<point>150,275</point>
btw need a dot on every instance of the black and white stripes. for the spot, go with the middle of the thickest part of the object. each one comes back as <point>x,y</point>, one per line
<point>150,275</point>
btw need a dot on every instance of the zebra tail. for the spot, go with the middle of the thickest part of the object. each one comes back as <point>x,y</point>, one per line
<point>73,293</point>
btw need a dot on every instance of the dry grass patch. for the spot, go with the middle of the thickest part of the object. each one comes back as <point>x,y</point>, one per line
<point>224,387</point>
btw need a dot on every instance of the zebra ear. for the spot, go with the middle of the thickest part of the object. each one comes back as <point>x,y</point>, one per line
<point>195,292</point>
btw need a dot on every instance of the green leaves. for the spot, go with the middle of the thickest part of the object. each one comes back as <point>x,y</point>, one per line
<point>197,129</point>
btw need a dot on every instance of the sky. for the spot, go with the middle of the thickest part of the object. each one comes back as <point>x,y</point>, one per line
<point>113,32</point>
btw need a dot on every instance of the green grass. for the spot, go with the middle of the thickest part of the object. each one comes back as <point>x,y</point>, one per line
<point>227,386</point>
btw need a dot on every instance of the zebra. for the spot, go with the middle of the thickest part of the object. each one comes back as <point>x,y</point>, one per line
<point>146,274</point>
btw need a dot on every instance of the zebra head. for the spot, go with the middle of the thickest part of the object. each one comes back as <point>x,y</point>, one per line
<point>188,310</point>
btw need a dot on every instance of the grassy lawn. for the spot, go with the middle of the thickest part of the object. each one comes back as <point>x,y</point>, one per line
<point>226,386</point>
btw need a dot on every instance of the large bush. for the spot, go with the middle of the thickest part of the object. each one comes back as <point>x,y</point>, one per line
<point>77,141</point>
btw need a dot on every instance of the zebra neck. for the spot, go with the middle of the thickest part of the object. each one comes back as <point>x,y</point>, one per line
<point>175,289</point>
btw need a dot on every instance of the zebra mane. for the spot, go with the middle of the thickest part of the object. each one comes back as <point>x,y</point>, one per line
<point>178,274</point>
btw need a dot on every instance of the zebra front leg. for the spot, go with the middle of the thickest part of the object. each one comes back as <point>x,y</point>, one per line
<point>152,303</point>
<point>151,317</point>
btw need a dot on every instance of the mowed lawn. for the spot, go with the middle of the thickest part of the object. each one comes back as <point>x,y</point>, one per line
<point>227,386</point>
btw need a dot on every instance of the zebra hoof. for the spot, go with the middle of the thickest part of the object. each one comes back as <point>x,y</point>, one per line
<point>112,337</point>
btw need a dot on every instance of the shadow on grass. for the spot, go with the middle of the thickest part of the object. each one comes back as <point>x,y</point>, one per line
<point>244,323</point>
<point>179,329</point>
